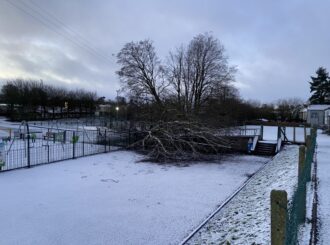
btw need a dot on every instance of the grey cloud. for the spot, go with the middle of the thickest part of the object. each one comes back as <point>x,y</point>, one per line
<point>276,45</point>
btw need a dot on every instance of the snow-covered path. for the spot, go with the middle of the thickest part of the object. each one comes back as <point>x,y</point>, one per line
<point>246,218</point>
<point>323,163</point>
<point>112,199</point>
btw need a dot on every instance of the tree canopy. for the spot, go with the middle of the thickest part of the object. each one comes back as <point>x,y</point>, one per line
<point>191,77</point>
<point>320,87</point>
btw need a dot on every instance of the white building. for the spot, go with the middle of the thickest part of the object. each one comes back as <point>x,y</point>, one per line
<point>103,110</point>
<point>316,115</point>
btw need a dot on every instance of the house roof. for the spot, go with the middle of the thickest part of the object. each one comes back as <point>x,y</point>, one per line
<point>318,107</point>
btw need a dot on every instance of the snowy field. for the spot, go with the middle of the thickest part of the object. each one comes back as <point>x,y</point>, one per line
<point>115,199</point>
<point>323,165</point>
<point>246,218</point>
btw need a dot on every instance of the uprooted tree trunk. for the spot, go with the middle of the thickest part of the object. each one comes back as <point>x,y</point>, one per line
<point>181,141</point>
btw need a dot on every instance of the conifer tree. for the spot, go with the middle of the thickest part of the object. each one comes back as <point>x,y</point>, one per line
<point>320,87</point>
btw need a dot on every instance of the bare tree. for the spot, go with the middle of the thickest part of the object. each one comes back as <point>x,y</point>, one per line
<point>141,72</point>
<point>181,141</point>
<point>198,71</point>
<point>176,74</point>
<point>288,109</point>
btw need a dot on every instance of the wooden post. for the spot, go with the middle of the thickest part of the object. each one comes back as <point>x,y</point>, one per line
<point>305,134</point>
<point>278,208</point>
<point>261,132</point>
<point>301,168</point>
<point>294,134</point>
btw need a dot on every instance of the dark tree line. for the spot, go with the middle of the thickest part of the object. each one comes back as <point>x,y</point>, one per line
<point>29,99</point>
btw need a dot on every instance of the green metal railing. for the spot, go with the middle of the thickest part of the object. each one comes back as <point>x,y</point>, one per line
<point>286,217</point>
<point>296,209</point>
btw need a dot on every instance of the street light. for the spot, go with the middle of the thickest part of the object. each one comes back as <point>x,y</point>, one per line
<point>117,109</point>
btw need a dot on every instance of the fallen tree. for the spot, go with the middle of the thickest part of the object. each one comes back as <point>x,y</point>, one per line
<point>180,141</point>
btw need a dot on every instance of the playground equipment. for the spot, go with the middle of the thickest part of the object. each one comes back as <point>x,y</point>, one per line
<point>2,155</point>
<point>22,133</point>
<point>5,133</point>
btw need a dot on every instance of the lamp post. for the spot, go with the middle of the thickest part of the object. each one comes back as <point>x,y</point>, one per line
<point>117,109</point>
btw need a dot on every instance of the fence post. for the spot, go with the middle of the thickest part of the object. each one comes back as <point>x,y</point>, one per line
<point>301,171</point>
<point>105,141</point>
<point>294,134</point>
<point>305,133</point>
<point>74,144</point>
<point>83,144</point>
<point>262,132</point>
<point>308,141</point>
<point>278,208</point>
<point>129,137</point>
<point>279,134</point>
<point>109,142</point>
<point>302,156</point>
<point>314,132</point>
<point>28,146</point>
<point>48,131</point>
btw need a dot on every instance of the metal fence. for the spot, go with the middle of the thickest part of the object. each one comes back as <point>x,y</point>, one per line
<point>286,217</point>
<point>296,210</point>
<point>35,145</point>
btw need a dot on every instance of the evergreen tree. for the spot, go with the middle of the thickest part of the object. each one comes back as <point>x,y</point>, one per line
<point>320,87</point>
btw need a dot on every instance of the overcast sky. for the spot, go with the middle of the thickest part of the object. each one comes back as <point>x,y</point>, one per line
<point>276,45</point>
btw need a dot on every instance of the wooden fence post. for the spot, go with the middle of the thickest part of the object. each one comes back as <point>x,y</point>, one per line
<point>278,207</point>
<point>294,134</point>
<point>305,134</point>
<point>261,132</point>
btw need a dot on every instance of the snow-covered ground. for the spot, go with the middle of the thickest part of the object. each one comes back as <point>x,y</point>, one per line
<point>323,165</point>
<point>246,218</point>
<point>115,199</point>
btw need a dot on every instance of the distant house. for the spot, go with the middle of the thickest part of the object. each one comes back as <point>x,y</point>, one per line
<point>303,114</point>
<point>103,110</point>
<point>327,117</point>
<point>316,115</point>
